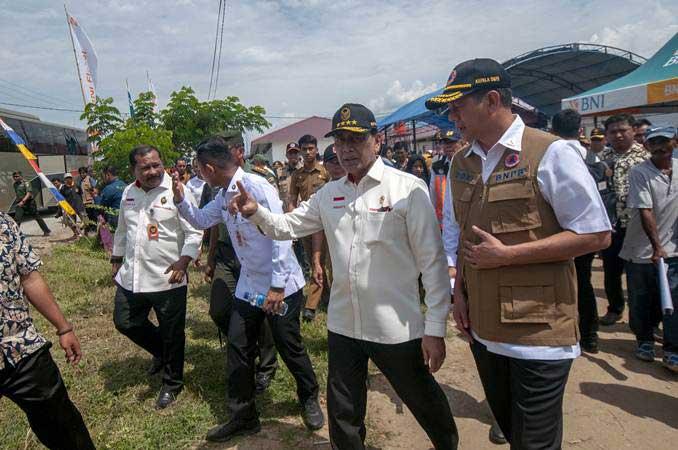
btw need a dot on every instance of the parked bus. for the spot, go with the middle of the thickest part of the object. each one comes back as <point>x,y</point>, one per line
<point>59,149</point>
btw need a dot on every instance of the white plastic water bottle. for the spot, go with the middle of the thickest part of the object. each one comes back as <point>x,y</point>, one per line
<point>258,299</point>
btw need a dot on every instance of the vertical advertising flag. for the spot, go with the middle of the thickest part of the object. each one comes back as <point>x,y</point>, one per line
<point>129,101</point>
<point>151,89</point>
<point>85,58</point>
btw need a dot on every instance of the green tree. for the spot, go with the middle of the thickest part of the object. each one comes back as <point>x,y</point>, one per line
<point>102,119</point>
<point>191,120</point>
<point>117,146</point>
<point>143,110</point>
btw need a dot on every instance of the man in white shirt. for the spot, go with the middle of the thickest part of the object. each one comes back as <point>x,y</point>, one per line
<point>268,268</point>
<point>196,183</point>
<point>567,125</point>
<point>381,233</point>
<point>523,205</point>
<point>152,248</point>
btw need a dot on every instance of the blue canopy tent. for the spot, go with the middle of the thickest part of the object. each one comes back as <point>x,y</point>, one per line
<point>415,110</point>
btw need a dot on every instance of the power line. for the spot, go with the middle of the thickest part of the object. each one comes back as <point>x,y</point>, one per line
<point>32,92</point>
<point>81,111</point>
<point>214,53</point>
<point>221,41</point>
<point>42,107</point>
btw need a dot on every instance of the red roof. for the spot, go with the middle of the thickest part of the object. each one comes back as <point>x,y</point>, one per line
<point>315,126</point>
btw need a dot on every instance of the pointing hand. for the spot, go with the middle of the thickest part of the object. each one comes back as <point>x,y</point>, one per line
<point>177,188</point>
<point>243,202</point>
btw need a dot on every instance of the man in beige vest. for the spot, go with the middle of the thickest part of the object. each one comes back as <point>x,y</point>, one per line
<point>523,206</point>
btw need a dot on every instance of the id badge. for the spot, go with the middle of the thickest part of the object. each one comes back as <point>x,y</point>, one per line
<point>153,232</point>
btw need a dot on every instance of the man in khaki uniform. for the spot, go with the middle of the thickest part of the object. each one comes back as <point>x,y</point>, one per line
<point>305,182</point>
<point>523,206</point>
<point>285,173</point>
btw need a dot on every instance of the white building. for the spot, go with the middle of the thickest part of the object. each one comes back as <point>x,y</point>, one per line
<point>274,144</point>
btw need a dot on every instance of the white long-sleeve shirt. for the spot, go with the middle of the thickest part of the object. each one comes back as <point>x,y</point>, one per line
<point>145,259</point>
<point>264,263</point>
<point>567,186</point>
<point>381,233</point>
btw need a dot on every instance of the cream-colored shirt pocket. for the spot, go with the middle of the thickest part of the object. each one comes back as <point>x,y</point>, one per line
<point>379,227</point>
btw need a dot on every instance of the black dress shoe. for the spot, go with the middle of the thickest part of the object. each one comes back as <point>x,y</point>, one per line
<point>166,398</point>
<point>496,435</point>
<point>312,414</point>
<point>308,315</point>
<point>610,318</point>
<point>229,430</point>
<point>156,366</point>
<point>261,382</point>
<point>589,346</point>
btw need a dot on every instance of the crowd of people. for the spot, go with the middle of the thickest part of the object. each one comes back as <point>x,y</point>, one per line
<point>500,223</point>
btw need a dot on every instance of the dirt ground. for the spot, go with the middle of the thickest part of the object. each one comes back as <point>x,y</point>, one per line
<point>613,401</point>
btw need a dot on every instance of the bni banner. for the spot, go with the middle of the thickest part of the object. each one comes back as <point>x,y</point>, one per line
<point>86,59</point>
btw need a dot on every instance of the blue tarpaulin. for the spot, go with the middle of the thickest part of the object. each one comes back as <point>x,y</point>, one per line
<point>415,110</point>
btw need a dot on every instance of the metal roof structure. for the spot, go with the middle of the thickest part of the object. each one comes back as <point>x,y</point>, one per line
<point>545,76</point>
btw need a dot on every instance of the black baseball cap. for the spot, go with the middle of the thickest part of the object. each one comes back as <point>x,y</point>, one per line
<point>328,154</point>
<point>597,134</point>
<point>470,76</point>
<point>448,134</point>
<point>353,117</point>
<point>292,146</point>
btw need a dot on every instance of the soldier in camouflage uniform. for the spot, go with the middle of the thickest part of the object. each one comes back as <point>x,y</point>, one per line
<point>623,154</point>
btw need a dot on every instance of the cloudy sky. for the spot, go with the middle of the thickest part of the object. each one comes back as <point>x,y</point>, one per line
<point>297,57</point>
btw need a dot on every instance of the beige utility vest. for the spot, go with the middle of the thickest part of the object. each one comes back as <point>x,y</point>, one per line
<point>532,304</point>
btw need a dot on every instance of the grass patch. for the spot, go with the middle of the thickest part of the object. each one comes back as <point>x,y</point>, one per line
<point>110,386</point>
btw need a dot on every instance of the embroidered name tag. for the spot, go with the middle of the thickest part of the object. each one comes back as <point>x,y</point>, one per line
<point>461,175</point>
<point>509,175</point>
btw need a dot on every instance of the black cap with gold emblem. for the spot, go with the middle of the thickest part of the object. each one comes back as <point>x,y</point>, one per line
<point>471,76</point>
<point>353,117</point>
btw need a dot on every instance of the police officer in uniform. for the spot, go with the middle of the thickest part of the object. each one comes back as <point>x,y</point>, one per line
<point>518,229</point>
<point>25,203</point>
<point>260,167</point>
<point>285,173</point>
<point>306,181</point>
<point>223,268</point>
<point>450,140</point>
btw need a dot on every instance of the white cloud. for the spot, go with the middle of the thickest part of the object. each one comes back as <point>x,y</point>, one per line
<point>397,95</point>
<point>303,57</point>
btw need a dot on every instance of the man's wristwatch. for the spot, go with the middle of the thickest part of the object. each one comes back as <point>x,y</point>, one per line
<point>116,260</point>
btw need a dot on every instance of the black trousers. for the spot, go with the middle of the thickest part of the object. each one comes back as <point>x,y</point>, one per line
<point>36,386</point>
<point>165,341</point>
<point>403,366</point>
<point>526,397</point>
<point>586,301</point>
<point>613,269</point>
<point>23,213</point>
<point>224,282</point>
<point>244,328</point>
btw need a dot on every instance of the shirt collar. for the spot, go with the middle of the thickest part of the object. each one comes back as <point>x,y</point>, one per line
<point>512,139</point>
<point>237,176</point>
<point>166,183</point>
<point>376,172</point>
